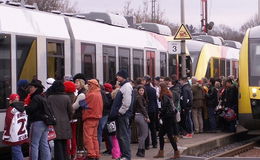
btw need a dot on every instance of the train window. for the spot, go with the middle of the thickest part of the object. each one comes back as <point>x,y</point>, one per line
<point>5,71</point>
<point>163,64</point>
<point>124,59</point>
<point>109,63</point>
<point>235,68</point>
<point>172,64</point>
<point>222,67</point>
<point>138,63</point>
<point>88,52</point>
<point>26,57</point>
<point>150,63</point>
<point>216,68</point>
<point>228,67</point>
<point>254,65</point>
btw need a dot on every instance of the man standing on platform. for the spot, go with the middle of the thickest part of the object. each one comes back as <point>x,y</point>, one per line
<point>121,112</point>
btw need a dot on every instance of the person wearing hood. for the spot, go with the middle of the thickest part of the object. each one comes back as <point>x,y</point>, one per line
<point>14,133</point>
<point>39,147</point>
<point>91,116</point>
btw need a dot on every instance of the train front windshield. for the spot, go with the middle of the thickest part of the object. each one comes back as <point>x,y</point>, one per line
<point>254,62</point>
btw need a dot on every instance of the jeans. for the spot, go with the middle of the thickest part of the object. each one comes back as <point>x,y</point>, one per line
<point>123,135</point>
<point>17,153</point>
<point>39,141</point>
<point>212,118</point>
<point>101,125</point>
<point>188,120</point>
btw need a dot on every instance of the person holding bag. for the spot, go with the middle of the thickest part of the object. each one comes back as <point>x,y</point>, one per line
<point>167,118</point>
<point>39,147</point>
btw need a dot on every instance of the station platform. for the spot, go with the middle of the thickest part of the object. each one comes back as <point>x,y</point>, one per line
<point>195,146</point>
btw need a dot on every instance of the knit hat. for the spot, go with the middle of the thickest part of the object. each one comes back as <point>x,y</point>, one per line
<point>79,76</point>
<point>69,87</point>
<point>13,96</point>
<point>22,83</point>
<point>147,78</point>
<point>108,87</point>
<point>49,82</point>
<point>122,73</point>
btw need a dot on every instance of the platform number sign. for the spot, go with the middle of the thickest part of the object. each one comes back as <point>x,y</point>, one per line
<point>174,47</point>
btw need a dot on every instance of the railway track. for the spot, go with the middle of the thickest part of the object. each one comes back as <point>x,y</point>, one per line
<point>237,150</point>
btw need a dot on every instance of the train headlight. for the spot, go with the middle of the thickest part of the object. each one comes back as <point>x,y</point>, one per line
<point>254,90</point>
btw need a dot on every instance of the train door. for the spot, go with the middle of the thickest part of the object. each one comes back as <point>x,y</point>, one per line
<point>150,63</point>
<point>188,66</point>
<point>173,64</point>
<point>55,59</point>
<point>222,66</point>
<point>5,71</point>
<point>215,68</point>
<point>228,67</point>
<point>163,64</point>
<point>235,68</point>
<point>88,53</point>
<point>109,63</point>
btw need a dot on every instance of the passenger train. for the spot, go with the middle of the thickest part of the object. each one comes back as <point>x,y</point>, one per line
<point>249,80</point>
<point>36,44</point>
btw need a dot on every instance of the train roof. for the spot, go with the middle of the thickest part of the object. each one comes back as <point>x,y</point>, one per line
<point>254,32</point>
<point>25,21</point>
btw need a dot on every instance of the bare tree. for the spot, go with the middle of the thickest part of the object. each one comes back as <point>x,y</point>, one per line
<point>49,5</point>
<point>226,33</point>
<point>250,23</point>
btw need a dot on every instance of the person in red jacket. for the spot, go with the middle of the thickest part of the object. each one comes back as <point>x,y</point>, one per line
<point>15,132</point>
<point>91,116</point>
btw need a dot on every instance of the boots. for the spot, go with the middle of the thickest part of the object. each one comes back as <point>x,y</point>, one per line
<point>176,155</point>
<point>160,154</point>
<point>140,153</point>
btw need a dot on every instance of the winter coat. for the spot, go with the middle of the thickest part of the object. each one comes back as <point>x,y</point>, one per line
<point>94,102</point>
<point>176,91</point>
<point>168,109</point>
<point>186,98</point>
<point>123,102</point>
<point>141,106</point>
<point>152,98</point>
<point>198,96</point>
<point>107,103</point>
<point>15,132</point>
<point>62,109</point>
<point>230,97</point>
<point>35,109</point>
<point>212,97</point>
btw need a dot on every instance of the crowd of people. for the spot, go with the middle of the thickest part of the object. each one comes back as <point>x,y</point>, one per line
<point>77,115</point>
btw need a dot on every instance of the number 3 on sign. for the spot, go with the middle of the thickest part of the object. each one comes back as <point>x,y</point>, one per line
<point>174,47</point>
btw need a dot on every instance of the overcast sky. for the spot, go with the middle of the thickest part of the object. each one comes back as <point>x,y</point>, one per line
<point>230,12</point>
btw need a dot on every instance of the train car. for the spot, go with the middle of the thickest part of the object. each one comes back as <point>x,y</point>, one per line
<point>36,44</point>
<point>212,59</point>
<point>249,80</point>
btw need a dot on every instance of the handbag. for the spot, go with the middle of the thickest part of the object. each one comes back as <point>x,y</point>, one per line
<point>111,127</point>
<point>51,133</point>
<point>178,116</point>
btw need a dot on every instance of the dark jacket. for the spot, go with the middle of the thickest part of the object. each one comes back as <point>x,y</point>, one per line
<point>141,106</point>
<point>152,98</point>
<point>35,109</point>
<point>176,91</point>
<point>212,97</point>
<point>107,103</point>
<point>198,96</point>
<point>168,108</point>
<point>230,97</point>
<point>62,109</point>
<point>186,96</point>
<point>123,102</point>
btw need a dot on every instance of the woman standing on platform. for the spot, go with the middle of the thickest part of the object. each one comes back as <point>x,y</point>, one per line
<point>167,118</point>
<point>141,120</point>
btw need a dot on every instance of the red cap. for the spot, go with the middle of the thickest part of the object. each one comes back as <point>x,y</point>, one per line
<point>14,96</point>
<point>69,87</point>
<point>108,87</point>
